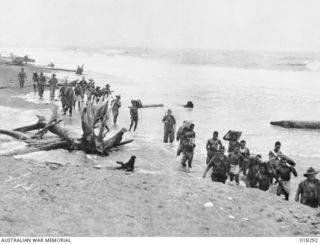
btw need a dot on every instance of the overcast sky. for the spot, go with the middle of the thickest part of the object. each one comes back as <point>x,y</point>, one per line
<point>217,24</point>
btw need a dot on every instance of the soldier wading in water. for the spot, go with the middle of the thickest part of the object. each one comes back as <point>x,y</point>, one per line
<point>169,126</point>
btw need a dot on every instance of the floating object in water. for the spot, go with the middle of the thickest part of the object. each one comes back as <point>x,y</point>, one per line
<point>189,104</point>
<point>138,104</point>
<point>16,60</point>
<point>296,124</point>
<point>79,70</point>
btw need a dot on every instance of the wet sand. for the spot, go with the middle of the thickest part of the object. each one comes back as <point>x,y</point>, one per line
<point>78,199</point>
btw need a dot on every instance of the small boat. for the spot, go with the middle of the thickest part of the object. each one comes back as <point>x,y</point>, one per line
<point>297,124</point>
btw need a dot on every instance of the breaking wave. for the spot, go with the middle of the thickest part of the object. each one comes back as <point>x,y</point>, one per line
<point>313,65</point>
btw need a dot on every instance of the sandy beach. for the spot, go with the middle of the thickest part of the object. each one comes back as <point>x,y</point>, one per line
<point>79,199</point>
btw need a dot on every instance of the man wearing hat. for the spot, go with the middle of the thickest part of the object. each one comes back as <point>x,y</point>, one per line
<point>283,176</point>
<point>90,89</point>
<point>220,166</point>
<point>53,85</point>
<point>108,90</point>
<point>169,126</point>
<point>308,190</point>
<point>115,108</point>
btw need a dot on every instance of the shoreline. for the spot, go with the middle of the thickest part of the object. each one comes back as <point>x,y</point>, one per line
<point>90,202</point>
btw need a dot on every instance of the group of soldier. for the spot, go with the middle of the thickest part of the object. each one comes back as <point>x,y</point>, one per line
<point>238,161</point>
<point>73,94</point>
<point>224,164</point>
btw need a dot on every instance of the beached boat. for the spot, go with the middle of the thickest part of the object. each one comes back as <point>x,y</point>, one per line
<point>296,124</point>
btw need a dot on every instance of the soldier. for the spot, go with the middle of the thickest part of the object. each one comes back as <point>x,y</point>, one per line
<point>35,79</point>
<point>78,97</point>
<point>244,151</point>
<point>169,126</point>
<point>308,190</point>
<point>233,142</point>
<point>283,176</point>
<point>67,97</point>
<point>262,179</point>
<point>235,159</point>
<point>83,85</point>
<point>41,85</point>
<point>53,85</point>
<point>188,146</point>
<point>275,155</point>
<point>220,166</point>
<point>251,169</point>
<point>22,77</point>
<point>115,109</point>
<point>134,117</point>
<point>212,146</point>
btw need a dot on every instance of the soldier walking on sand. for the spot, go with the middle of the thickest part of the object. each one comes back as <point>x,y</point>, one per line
<point>251,169</point>
<point>283,176</point>
<point>262,179</point>
<point>308,190</point>
<point>22,77</point>
<point>235,159</point>
<point>169,126</point>
<point>220,165</point>
<point>53,85</point>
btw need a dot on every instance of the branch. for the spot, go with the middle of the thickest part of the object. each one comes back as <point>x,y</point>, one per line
<point>39,125</point>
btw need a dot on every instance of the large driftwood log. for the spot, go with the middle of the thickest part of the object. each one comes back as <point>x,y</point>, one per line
<point>15,134</point>
<point>39,125</point>
<point>89,142</point>
<point>294,124</point>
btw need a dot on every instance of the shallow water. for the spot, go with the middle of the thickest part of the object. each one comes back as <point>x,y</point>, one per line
<point>227,96</point>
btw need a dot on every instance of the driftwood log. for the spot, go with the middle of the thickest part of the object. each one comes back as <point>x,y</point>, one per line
<point>295,124</point>
<point>90,142</point>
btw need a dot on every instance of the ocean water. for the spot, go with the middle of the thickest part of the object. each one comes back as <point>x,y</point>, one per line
<point>239,90</point>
